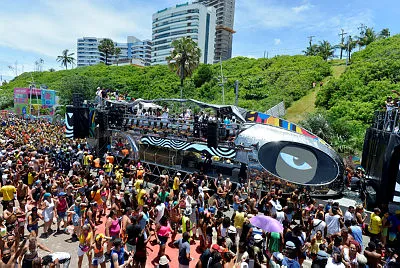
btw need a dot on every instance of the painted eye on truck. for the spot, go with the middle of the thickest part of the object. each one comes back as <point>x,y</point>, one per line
<point>298,163</point>
<point>294,161</point>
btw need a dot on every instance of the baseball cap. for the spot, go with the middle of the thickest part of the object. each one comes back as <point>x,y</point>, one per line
<point>322,255</point>
<point>232,230</point>
<point>216,247</point>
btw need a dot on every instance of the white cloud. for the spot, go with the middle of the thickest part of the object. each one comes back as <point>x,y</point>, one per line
<point>277,41</point>
<point>60,23</point>
<point>268,14</point>
<point>302,8</point>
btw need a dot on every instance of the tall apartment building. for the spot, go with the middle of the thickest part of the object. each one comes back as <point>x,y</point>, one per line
<point>186,20</point>
<point>224,30</point>
<point>89,54</point>
<point>138,49</point>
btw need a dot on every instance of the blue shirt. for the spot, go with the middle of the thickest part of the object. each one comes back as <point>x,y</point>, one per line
<point>356,232</point>
<point>120,254</point>
<point>290,263</point>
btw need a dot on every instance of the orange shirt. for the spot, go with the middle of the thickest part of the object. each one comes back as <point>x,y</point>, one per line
<point>110,158</point>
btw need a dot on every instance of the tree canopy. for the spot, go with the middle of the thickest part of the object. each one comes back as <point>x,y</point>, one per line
<point>106,47</point>
<point>351,99</point>
<point>263,82</point>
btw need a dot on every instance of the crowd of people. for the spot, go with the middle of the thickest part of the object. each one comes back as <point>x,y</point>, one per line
<point>115,216</point>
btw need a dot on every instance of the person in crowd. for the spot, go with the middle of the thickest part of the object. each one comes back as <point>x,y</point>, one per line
<point>48,177</point>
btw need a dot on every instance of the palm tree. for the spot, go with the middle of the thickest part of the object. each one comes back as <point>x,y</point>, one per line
<point>370,36</point>
<point>349,46</point>
<point>311,50</point>
<point>184,58</point>
<point>385,33</point>
<point>66,58</point>
<point>117,52</point>
<point>107,48</point>
<point>325,50</point>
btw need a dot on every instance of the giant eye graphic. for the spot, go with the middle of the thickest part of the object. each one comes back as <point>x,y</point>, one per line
<point>294,162</point>
<point>297,163</point>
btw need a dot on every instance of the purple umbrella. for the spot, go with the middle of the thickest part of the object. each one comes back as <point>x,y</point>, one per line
<point>267,223</point>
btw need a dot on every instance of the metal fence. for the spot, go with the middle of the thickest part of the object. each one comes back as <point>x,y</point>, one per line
<point>387,120</point>
<point>278,110</point>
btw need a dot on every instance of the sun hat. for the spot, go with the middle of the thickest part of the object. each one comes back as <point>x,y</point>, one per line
<point>163,260</point>
<point>290,245</point>
<point>78,200</point>
<point>178,174</point>
<point>278,207</point>
<point>62,194</point>
<point>258,238</point>
<point>278,256</point>
<point>46,195</point>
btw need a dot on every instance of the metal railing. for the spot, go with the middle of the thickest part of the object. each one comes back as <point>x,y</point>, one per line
<point>388,121</point>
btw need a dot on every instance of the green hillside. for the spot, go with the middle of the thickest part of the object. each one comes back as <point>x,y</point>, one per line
<point>306,105</point>
<point>349,101</point>
<point>263,82</point>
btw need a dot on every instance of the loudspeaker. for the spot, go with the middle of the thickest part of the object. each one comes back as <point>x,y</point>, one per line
<point>77,99</point>
<point>102,120</point>
<point>212,134</point>
<point>81,122</point>
<point>381,159</point>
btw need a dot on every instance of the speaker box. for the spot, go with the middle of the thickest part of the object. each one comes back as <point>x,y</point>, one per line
<point>77,99</point>
<point>212,135</point>
<point>81,122</point>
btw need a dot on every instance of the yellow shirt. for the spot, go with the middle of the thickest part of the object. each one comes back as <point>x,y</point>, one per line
<point>8,192</point>
<point>375,224</point>
<point>30,178</point>
<point>140,195</point>
<point>119,175</point>
<point>175,187</point>
<point>108,167</point>
<point>137,184</point>
<point>85,240</point>
<point>239,220</point>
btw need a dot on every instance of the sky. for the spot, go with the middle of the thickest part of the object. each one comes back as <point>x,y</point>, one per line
<point>31,30</point>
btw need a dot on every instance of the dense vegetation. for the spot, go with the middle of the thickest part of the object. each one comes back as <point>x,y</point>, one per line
<point>262,82</point>
<point>348,102</point>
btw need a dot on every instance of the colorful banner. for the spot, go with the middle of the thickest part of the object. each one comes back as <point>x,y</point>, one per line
<point>48,97</point>
<point>41,101</point>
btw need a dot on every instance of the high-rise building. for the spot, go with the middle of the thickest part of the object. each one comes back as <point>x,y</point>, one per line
<point>186,20</point>
<point>138,49</point>
<point>89,54</point>
<point>224,30</point>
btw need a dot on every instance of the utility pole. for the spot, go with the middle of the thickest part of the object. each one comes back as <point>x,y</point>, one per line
<point>348,51</point>
<point>264,53</point>
<point>236,92</point>
<point>342,43</point>
<point>362,29</point>
<point>310,39</point>
<point>222,81</point>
